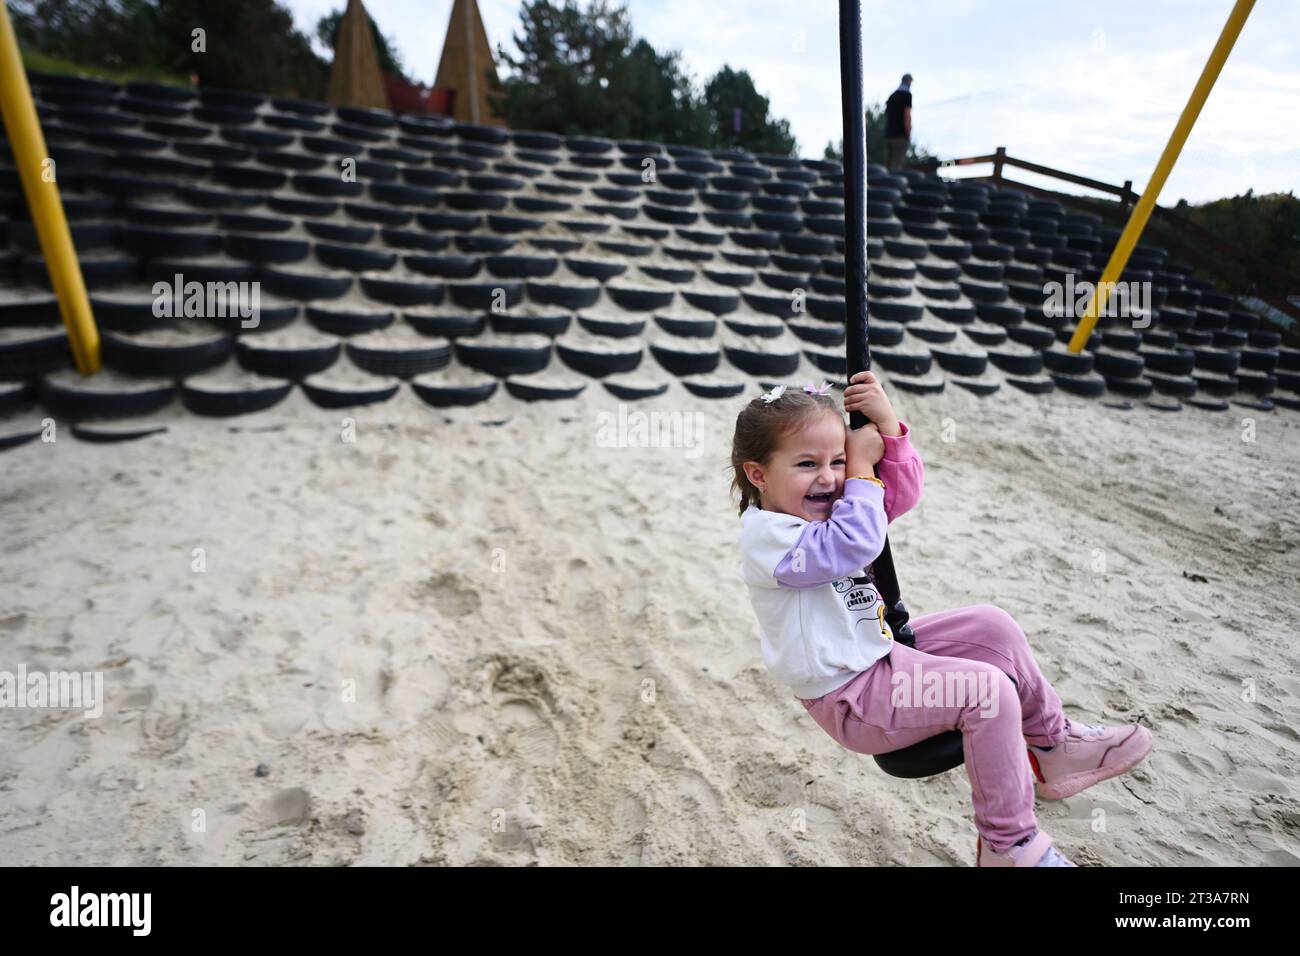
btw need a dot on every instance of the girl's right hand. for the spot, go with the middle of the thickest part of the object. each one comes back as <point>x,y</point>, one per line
<point>864,448</point>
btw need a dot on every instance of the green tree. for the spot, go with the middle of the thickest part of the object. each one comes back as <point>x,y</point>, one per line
<point>247,44</point>
<point>730,91</point>
<point>875,131</point>
<point>390,60</point>
<point>583,71</point>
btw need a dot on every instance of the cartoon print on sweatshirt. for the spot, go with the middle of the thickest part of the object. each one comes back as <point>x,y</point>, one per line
<point>863,602</point>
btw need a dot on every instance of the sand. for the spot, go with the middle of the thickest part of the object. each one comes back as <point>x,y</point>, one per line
<point>449,643</point>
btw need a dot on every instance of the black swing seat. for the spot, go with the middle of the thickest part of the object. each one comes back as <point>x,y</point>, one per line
<point>928,757</point>
<point>924,758</point>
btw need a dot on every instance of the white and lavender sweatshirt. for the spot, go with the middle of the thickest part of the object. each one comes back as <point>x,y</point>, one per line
<point>820,617</point>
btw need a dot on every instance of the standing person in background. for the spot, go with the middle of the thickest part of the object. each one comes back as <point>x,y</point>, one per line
<point>898,123</point>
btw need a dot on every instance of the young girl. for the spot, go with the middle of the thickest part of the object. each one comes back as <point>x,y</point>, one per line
<point>814,516</point>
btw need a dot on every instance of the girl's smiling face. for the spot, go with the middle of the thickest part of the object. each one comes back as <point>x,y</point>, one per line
<point>805,475</point>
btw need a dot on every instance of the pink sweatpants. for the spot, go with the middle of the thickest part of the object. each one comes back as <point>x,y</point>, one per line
<point>971,670</point>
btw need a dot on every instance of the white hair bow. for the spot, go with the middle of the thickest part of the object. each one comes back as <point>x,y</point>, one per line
<point>773,395</point>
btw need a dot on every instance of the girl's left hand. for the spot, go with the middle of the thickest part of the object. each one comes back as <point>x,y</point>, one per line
<point>865,394</point>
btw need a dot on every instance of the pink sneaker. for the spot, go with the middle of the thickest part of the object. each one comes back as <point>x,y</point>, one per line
<point>1036,851</point>
<point>1087,755</point>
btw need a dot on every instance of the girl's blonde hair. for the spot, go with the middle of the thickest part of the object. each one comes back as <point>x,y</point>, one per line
<point>762,426</point>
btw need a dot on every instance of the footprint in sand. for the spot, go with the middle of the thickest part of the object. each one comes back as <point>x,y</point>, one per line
<point>630,825</point>
<point>449,594</point>
<point>524,700</point>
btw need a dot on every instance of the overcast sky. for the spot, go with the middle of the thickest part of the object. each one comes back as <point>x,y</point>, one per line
<point>1093,87</point>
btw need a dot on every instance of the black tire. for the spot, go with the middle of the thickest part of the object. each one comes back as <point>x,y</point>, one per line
<point>402,361</point>
<point>1256,383</point>
<point>894,311</point>
<point>961,315</point>
<point>1117,365</point>
<point>500,360</point>
<point>313,184</point>
<point>12,439</point>
<point>382,215</point>
<point>1179,386</point>
<point>475,202</point>
<point>444,266</point>
<point>826,308</point>
<point>223,402</point>
<point>446,326</point>
<point>521,267</point>
<point>969,364</point>
<point>16,395</point>
<point>626,392</point>
<point>777,364</point>
<point>638,298</point>
<point>719,390</point>
<point>440,394</point>
<point>355,258</point>
<point>602,270</point>
<point>564,294</point>
<point>301,206</point>
<point>1215,383</point>
<point>508,225</point>
<point>920,385</point>
<point>599,363</point>
<point>687,254</point>
<point>682,362</point>
<point>77,400</point>
<point>1259,360</point>
<point>1033,385</point>
<point>718,303</point>
<point>98,271</point>
<point>1134,387</point>
<point>483,243</point>
<point>1217,360</point>
<point>266,249</point>
<point>613,327</point>
<point>1088,385</point>
<point>805,245</point>
<point>756,327</point>
<point>532,139</point>
<point>399,291</point>
<point>484,295</point>
<point>538,392</point>
<point>1014,362</point>
<point>736,278</point>
<point>157,360</point>
<point>904,361</point>
<point>687,327</point>
<point>415,239</point>
<point>825,334</point>
<point>329,394</point>
<point>768,304</point>
<point>305,284</point>
<point>285,362</point>
<point>1063,362</point>
<point>345,233</point>
<point>99,434</point>
<point>515,323</point>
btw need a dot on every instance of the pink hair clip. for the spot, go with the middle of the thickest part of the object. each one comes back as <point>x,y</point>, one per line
<point>814,390</point>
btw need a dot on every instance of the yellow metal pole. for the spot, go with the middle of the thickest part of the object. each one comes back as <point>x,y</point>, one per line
<point>1142,211</point>
<point>43,200</point>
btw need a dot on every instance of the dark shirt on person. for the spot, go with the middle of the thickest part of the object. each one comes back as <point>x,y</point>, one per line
<point>898,101</point>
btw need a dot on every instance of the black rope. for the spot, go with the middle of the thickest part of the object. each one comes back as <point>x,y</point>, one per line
<point>857,346</point>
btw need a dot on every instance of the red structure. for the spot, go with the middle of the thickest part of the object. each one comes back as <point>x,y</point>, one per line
<point>410,98</point>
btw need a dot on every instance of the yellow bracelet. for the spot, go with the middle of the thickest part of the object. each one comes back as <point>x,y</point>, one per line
<point>869,478</point>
